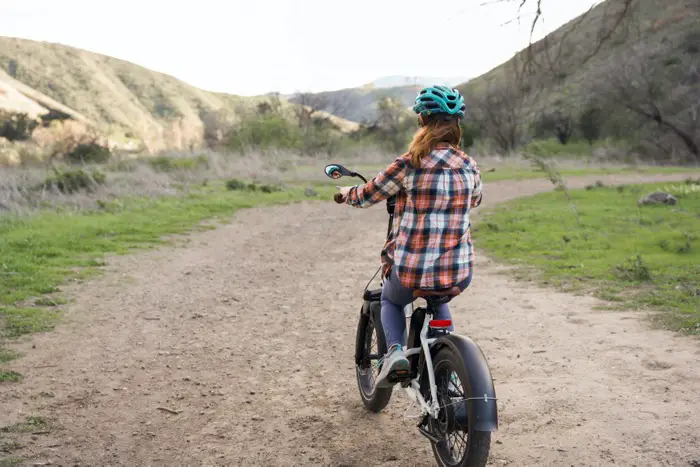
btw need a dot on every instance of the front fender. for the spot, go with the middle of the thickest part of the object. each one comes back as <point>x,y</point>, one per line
<point>482,407</point>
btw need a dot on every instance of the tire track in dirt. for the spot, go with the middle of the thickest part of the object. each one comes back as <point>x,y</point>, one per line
<point>248,331</point>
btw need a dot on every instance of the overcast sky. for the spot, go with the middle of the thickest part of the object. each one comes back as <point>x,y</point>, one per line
<point>252,47</point>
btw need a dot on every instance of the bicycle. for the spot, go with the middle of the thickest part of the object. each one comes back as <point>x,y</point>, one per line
<point>448,378</point>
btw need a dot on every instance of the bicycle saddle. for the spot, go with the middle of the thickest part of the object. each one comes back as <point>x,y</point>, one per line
<point>451,292</point>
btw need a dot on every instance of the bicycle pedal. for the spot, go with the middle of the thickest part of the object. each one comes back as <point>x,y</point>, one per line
<point>400,375</point>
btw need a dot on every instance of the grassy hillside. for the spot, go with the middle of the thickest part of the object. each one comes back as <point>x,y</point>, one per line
<point>127,99</point>
<point>577,48</point>
<point>629,65</point>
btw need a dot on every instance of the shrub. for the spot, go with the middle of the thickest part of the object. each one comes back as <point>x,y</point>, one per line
<point>16,127</point>
<point>544,126</point>
<point>269,188</point>
<point>470,133</point>
<point>169,164</point>
<point>74,180</point>
<point>590,122</point>
<point>635,270</point>
<point>265,131</point>
<point>89,153</point>
<point>671,61</point>
<point>235,184</point>
<point>124,165</point>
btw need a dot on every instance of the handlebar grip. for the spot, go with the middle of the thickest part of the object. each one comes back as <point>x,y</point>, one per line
<point>338,198</point>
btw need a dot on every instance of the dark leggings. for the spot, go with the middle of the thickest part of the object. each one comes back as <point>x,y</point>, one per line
<point>395,297</point>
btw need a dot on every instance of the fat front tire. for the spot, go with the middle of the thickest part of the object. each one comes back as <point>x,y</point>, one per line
<point>370,345</point>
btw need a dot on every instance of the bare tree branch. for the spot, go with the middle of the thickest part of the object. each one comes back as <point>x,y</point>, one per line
<point>641,82</point>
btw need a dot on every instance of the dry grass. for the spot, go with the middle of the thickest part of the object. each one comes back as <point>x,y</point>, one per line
<point>179,173</point>
<point>169,174</point>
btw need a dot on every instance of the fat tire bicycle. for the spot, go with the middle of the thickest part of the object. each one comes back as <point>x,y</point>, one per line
<point>448,378</point>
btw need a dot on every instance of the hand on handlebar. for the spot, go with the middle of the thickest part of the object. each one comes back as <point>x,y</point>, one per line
<point>342,196</point>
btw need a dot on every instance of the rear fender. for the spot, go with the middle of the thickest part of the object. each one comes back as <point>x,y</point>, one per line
<point>482,408</point>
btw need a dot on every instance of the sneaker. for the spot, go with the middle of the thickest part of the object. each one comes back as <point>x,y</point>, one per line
<point>395,367</point>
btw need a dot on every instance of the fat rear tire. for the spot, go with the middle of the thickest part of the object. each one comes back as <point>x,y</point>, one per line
<point>476,451</point>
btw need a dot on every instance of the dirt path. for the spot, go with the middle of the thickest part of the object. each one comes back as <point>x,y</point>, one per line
<point>249,332</point>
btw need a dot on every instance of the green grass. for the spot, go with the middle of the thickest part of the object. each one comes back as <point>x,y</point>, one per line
<point>640,257</point>
<point>552,148</point>
<point>7,355</point>
<point>506,172</point>
<point>513,173</point>
<point>8,376</point>
<point>32,423</point>
<point>39,253</point>
<point>10,461</point>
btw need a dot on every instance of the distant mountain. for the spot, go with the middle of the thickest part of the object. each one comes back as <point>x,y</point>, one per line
<point>358,104</point>
<point>401,80</point>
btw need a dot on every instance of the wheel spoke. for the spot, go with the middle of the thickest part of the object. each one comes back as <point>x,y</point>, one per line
<point>450,393</point>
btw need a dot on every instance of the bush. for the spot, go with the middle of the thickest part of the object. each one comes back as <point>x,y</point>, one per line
<point>16,127</point>
<point>265,131</point>
<point>89,153</point>
<point>169,164</point>
<point>470,133</point>
<point>590,122</point>
<point>124,165</point>
<point>74,180</point>
<point>269,188</point>
<point>544,127</point>
<point>235,184</point>
<point>635,270</point>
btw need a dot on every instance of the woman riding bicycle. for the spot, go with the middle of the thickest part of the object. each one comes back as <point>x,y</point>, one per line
<point>430,245</point>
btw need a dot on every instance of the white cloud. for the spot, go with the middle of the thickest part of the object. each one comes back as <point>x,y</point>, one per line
<point>252,47</point>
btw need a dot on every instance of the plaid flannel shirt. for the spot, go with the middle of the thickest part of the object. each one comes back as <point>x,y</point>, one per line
<point>430,243</point>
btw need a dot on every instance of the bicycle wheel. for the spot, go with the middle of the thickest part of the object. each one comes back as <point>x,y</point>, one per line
<point>458,444</point>
<point>371,345</point>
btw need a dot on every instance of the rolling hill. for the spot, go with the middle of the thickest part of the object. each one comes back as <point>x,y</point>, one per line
<point>123,100</point>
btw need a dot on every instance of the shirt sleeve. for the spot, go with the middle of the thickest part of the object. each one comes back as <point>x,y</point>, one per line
<point>386,184</point>
<point>477,193</point>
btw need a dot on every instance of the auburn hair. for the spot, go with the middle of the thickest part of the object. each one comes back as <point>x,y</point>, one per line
<point>433,131</point>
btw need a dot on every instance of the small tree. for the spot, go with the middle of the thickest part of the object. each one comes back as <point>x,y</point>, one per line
<point>312,117</point>
<point>590,122</point>
<point>393,124</point>
<point>499,109</point>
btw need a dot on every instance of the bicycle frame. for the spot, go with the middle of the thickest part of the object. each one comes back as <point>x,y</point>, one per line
<point>413,388</point>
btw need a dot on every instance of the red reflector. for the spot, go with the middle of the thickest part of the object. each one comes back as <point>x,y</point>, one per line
<point>440,323</point>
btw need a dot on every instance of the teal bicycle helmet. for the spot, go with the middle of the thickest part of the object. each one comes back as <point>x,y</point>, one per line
<point>440,100</point>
